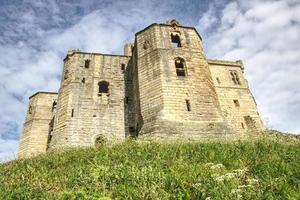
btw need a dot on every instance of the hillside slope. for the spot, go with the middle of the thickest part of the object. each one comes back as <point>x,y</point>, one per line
<point>262,169</point>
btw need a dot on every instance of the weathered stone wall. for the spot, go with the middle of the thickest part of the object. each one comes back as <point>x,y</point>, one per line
<point>149,95</point>
<point>163,94</point>
<point>236,100</point>
<point>85,114</point>
<point>36,128</point>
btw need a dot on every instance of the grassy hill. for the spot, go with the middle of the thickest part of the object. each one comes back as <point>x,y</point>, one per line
<point>260,169</point>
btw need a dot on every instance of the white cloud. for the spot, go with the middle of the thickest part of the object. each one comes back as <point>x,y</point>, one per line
<point>265,35</point>
<point>36,39</point>
<point>35,36</point>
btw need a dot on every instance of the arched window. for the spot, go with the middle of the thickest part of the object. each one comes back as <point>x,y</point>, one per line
<point>180,67</point>
<point>175,39</point>
<point>103,87</point>
<point>54,106</point>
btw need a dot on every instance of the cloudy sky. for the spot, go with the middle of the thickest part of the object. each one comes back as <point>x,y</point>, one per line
<point>36,34</point>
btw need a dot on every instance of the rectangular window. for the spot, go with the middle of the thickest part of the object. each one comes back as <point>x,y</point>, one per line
<point>72,113</point>
<point>87,63</point>
<point>236,103</point>
<point>127,100</point>
<point>235,78</point>
<point>188,105</point>
<point>122,67</point>
<point>175,39</point>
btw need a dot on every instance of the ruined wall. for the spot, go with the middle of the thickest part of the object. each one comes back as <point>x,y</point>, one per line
<point>236,100</point>
<point>162,88</point>
<point>84,113</point>
<point>164,94</point>
<point>36,130</point>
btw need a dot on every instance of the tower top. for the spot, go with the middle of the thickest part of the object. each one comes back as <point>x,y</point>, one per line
<point>173,22</point>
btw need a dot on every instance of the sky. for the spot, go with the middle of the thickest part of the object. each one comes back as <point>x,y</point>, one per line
<point>36,34</point>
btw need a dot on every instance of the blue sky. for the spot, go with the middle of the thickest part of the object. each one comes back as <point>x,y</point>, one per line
<point>36,34</point>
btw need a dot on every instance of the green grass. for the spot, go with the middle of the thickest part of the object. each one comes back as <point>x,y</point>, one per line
<point>262,169</point>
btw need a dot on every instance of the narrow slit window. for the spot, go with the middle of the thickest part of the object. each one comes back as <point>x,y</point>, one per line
<point>87,63</point>
<point>122,67</point>
<point>54,106</point>
<point>175,39</point>
<point>243,126</point>
<point>127,100</point>
<point>103,87</point>
<point>83,80</point>
<point>66,75</point>
<point>30,110</point>
<point>72,113</point>
<point>236,103</point>
<point>180,67</point>
<point>188,105</point>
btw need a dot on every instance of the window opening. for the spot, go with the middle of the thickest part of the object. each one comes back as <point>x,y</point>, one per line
<point>103,87</point>
<point>122,67</point>
<point>188,105</point>
<point>243,126</point>
<point>180,67</point>
<point>66,75</point>
<point>236,103</point>
<point>235,78</point>
<point>87,63</point>
<point>54,106</point>
<point>175,39</point>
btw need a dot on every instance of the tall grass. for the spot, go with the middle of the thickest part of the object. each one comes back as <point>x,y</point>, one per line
<point>262,169</point>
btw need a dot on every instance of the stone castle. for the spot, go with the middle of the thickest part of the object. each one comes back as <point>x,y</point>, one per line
<point>162,88</point>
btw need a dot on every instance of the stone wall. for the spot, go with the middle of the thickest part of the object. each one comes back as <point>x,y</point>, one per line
<point>37,126</point>
<point>164,95</point>
<point>162,88</point>
<point>236,100</point>
<point>84,113</point>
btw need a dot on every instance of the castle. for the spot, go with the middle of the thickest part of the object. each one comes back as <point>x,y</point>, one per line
<point>162,88</point>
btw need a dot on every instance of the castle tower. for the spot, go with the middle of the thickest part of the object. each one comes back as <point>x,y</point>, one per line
<point>38,124</point>
<point>176,92</point>
<point>90,100</point>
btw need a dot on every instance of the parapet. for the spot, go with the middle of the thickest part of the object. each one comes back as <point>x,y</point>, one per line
<point>238,63</point>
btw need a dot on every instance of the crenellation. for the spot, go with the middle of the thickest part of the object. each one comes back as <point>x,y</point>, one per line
<point>162,88</point>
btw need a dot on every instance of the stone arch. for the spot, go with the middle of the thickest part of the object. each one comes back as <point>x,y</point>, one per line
<point>99,140</point>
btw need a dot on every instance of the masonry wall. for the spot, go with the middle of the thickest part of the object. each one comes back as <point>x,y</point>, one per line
<point>163,94</point>
<point>34,139</point>
<point>84,114</point>
<point>146,97</point>
<point>242,115</point>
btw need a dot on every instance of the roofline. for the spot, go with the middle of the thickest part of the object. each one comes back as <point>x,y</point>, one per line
<point>237,63</point>
<point>156,24</point>
<point>42,92</point>
<point>91,53</point>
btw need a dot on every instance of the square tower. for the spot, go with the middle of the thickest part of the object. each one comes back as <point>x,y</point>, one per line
<point>176,91</point>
